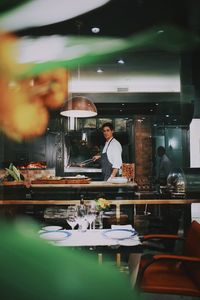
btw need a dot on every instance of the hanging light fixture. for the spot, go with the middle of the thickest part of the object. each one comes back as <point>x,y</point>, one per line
<point>79,107</point>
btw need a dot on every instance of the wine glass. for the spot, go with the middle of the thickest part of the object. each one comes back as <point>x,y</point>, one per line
<point>81,218</point>
<point>72,216</point>
<point>90,214</point>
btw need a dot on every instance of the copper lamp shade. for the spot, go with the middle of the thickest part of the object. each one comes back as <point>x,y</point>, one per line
<point>79,107</point>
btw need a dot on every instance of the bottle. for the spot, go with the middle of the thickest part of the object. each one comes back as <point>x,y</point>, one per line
<point>82,201</point>
<point>83,223</point>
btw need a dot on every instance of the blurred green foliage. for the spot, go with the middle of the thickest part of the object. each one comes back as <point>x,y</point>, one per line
<point>33,269</point>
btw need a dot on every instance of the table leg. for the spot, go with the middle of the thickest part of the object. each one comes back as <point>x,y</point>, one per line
<point>133,263</point>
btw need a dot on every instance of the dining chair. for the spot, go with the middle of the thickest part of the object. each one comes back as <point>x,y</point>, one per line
<point>177,274</point>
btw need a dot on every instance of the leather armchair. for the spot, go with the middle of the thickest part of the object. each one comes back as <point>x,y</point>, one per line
<point>171,273</point>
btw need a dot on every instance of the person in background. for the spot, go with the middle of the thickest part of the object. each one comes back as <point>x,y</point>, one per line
<point>111,157</point>
<point>164,166</point>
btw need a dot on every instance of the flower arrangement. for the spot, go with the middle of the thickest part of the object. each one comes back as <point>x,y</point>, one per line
<point>102,203</point>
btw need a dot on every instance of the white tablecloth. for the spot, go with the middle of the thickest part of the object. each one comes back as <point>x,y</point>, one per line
<point>94,237</point>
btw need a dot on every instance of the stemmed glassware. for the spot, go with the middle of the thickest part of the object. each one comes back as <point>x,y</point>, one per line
<point>90,214</point>
<point>72,216</point>
<point>81,218</point>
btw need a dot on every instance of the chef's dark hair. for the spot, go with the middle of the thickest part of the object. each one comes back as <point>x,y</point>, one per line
<point>108,124</point>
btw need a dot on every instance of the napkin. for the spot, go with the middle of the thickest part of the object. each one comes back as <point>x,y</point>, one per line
<point>128,226</point>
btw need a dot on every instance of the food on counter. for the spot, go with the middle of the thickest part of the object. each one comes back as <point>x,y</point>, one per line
<point>13,174</point>
<point>34,165</point>
<point>80,176</point>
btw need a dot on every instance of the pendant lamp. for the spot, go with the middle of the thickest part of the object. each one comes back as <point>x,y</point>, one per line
<point>79,107</point>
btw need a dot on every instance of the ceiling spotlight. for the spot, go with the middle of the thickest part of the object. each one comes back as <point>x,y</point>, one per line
<point>99,70</point>
<point>120,61</point>
<point>95,29</point>
<point>160,31</point>
<point>167,116</point>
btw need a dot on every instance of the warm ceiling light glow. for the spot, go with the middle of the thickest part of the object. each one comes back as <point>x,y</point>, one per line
<point>43,12</point>
<point>79,107</point>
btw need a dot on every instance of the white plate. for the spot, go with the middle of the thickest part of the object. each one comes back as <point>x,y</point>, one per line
<point>119,180</point>
<point>55,235</point>
<point>119,234</point>
<point>51,228</point>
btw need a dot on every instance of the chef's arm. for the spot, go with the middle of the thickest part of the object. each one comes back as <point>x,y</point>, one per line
<point>96,157</point>
<point>113,174</point>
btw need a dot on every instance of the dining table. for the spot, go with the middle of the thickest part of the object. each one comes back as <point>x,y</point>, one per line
<point>119,240</point>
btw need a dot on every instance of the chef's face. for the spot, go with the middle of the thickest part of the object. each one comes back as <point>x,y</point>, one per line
<point>108,133</point>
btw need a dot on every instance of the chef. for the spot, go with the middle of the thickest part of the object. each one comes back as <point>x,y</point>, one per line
<point>111,157</point>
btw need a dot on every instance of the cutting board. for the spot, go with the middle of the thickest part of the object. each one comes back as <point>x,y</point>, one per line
<point>12,183</point>
<point>62,181</point>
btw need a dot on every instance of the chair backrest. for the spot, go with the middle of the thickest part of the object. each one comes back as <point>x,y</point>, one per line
<point>192,248</point>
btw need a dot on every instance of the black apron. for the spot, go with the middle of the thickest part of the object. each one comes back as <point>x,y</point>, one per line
<point>106,165</point>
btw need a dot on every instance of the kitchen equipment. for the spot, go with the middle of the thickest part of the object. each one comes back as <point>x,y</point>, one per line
<point>81,164</point>
<point>86,162</point>
<point>184,182</point>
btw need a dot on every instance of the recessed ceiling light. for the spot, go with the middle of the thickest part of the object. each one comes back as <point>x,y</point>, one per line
<point>160,31</point>
<point>157,104</point>
<point>120,61</point>
<point>99,70</point>
<point>167,116</point>
<point>95,29</point>
<point>122,104</point>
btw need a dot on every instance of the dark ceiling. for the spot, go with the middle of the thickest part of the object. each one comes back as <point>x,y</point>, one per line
<point>123,18</point>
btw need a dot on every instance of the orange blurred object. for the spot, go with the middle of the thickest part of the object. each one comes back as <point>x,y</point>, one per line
<point>57,83</point>
<point>20,118</point>
<point>9,67</point>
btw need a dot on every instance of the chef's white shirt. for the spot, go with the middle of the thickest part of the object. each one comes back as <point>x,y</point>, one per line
<point>114,153</point>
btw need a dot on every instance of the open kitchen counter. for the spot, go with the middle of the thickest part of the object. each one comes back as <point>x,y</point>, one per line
<point>78,184</point>
<point>89,190</point>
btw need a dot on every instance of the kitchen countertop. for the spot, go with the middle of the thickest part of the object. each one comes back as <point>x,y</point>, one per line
<point>92,184</point>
